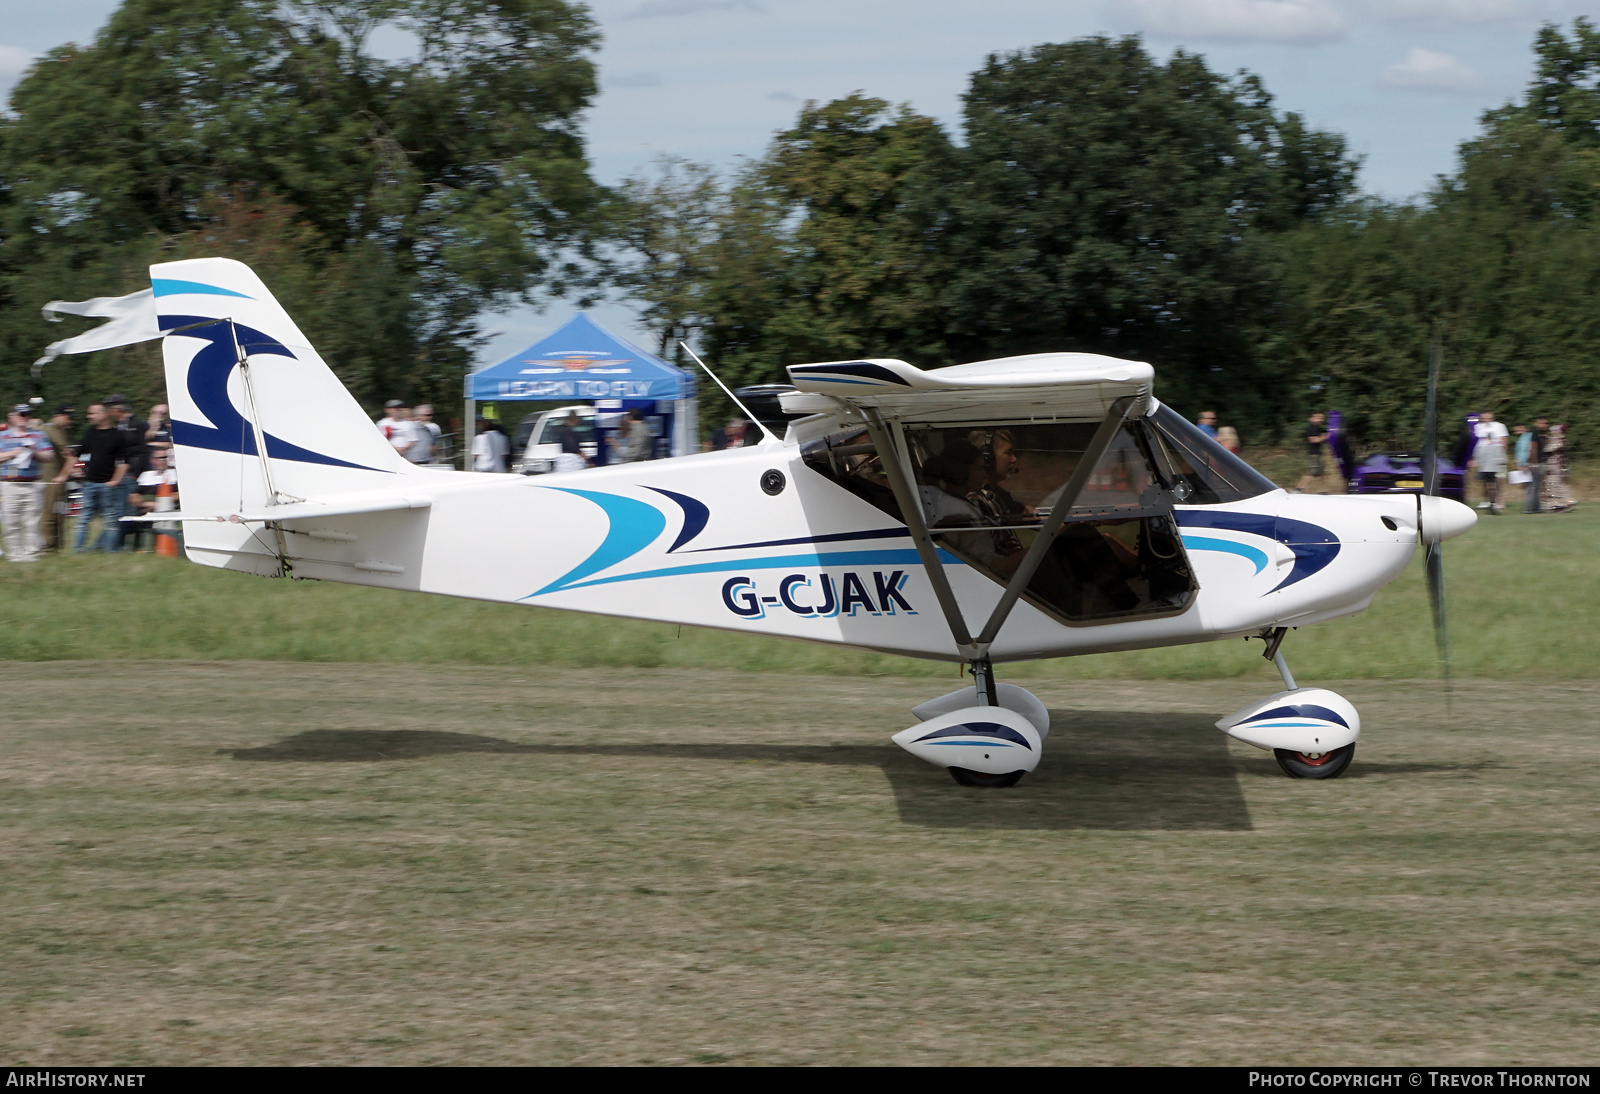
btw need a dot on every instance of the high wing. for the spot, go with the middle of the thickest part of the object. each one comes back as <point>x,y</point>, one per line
<point>1071,386</point>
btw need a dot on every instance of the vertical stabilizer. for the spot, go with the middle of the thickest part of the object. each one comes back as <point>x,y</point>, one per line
<point>241,376</point>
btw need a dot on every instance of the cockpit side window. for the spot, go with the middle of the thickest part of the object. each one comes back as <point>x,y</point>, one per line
<point>1199,470</point>
<point>986,488</point>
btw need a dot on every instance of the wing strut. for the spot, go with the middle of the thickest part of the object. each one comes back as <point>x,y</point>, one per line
<point>894,463</point>
<point>895,460</point>
<point>1052,525</point>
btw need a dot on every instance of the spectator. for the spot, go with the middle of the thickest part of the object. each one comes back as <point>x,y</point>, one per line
<point>396,426</point>
<point>1316,434</point>
<point>1527,457</point>
<point>53,526</point>
<point>1489,457</point>
<point>1228,438</point>
<point>146,496</point>
<point>1208,423</point>
<point>736,434</point>
<point>490,447</point>
<point>426,434</point>
<point>21,491</point>
<point>159,436</point>
<point>638,441</point>
<point>571,457</point>
<point>138,432</point>
<point>106,448</point>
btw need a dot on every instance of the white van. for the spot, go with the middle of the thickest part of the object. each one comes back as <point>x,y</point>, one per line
<point>539,457</point>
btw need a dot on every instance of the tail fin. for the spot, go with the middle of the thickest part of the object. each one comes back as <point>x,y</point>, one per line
<point>318,440</point>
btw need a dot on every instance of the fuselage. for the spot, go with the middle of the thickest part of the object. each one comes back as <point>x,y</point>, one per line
<point>717,540</point>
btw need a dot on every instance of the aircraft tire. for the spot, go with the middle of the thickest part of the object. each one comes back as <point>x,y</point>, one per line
<point>1330,766</point>
<point>967,777</point>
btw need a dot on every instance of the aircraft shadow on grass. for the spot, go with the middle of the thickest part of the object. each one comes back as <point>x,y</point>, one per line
<point>1114,770</point>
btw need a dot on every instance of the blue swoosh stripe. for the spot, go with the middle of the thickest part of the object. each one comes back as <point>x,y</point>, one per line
<point>1305,710</point>
<point>842,380</point>
<point>695,515</point>
<point>979,744</point>
<point>774,562</point>
<point>1282,725</point>
<point>165,287</point>
<point>208,390</point>
<point>1313,546</point>
<point>1226,546</point>
<point>831,537</point>
<point>633,526</point>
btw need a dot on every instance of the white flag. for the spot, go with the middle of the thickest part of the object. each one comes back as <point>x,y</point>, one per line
<point>133,319</point>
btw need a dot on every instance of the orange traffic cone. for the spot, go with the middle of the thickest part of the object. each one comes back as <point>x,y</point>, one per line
<point>166,546</point>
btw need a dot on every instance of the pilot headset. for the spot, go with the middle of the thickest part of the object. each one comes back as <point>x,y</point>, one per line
<point>984,441</point>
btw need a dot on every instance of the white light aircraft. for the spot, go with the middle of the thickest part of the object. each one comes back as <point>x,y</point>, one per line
<point>1038,506</point>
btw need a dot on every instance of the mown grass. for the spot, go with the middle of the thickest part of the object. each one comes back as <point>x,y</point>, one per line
<point>249,863</point>
<point>1524,601</point>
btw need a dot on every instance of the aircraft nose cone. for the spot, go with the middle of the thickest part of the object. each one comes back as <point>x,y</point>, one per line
<point>1441,518</point>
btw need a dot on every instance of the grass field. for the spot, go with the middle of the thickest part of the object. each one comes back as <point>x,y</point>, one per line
<point>1524,602</point>
<point>304,863</point>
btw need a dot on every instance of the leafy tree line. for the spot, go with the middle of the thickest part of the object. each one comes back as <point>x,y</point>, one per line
<point>388,203</point>
<point>1106,202</point>
<point>1097,199</point>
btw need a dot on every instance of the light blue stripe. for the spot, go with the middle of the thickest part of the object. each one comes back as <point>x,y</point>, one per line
<point>1287,725</point>
<point>773,562</point>
<point>632,526</point>
<point>164,287</point>
<point>1227,546</point>
<point>842,380</point>
<point>976,744</point>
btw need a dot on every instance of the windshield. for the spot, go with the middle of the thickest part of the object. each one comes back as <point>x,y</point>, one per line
<point>1200,470</point>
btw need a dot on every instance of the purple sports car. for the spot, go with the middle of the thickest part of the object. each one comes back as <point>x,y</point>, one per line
<point>1399,472</point>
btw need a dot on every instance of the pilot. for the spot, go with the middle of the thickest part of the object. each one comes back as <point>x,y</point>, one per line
<point>953,495</point>
<point>999,449</point>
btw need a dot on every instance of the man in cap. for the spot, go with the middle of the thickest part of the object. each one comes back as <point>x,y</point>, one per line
<point>53,523</point>
<point>21,491</point>
<point>397,427</point>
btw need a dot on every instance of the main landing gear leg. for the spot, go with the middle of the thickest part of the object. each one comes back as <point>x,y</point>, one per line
<point>1311,732</point>
<point>986,734</point>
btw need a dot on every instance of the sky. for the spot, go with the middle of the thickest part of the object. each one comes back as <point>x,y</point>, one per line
<point>1405,81</point>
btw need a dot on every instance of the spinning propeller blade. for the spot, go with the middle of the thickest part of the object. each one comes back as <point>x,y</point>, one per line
<point>1433,546</point>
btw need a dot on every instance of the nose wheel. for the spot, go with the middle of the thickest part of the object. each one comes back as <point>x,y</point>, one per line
<point>1314,765</point>
<point>968,777</point>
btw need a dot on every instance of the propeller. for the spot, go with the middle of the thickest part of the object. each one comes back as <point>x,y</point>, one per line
<point>1433,545</point>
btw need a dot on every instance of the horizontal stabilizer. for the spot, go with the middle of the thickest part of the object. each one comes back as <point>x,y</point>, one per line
<point>300,510</point>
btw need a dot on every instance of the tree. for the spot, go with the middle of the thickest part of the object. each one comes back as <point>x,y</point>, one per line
<point>1106,202</point>
<point>418,192</point>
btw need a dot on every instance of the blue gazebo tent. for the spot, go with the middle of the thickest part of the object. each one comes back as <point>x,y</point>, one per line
<point>581,361</point>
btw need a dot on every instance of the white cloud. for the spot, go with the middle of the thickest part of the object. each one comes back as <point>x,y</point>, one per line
<point>1292,22</point>
<point>661,9</point>
<point>1425,70</point>
<point>14,61</point>
<point>634,79</point>
<point>1449,13</point>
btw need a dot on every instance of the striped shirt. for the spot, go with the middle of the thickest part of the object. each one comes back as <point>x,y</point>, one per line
<point>23,468</point>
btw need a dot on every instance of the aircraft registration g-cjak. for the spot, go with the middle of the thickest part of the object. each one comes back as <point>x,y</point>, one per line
<point>1029,507</point>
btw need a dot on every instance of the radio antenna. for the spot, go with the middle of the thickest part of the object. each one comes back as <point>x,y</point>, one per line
<point>749,417</point>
